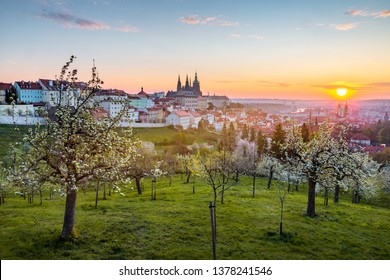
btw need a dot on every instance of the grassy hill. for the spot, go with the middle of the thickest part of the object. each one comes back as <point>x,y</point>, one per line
<point>164,138</point>
<point>177,226</point>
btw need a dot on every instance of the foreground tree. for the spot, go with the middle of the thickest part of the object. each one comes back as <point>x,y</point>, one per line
<point>73,146</point>
<point>314,157</point>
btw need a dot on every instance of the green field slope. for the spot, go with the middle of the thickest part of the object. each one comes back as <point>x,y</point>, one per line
<point>177,226</point>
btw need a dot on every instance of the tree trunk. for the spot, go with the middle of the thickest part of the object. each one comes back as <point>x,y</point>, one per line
<point>271,174</point>
<point>138,184</point>
<point>326,197</point>
<point>70,212</point>
<point>97,194</point>
<point>154,189</point>
<point>222,194</point>
<point>40,197</point>
<point>237,176</point>
<point>281,219</point>
<point>188,177</point>
<point>311,199</point>
<point>336,193</point>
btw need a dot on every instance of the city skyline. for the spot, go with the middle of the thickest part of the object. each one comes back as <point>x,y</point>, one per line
<point>241,49</point>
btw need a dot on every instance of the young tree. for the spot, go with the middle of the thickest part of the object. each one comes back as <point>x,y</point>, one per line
<point>282,194</point>
<point>74,145</point>
<point>214,167</point>
<point>140,167</point>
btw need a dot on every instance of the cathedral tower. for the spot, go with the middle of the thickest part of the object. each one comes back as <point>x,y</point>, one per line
<point>178,84</point>
<point>196,85</point>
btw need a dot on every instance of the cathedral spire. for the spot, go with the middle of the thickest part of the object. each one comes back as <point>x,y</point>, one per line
<point>187,86</point>
<point>178,84</point>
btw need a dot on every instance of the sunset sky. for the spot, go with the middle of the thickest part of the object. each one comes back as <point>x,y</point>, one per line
<point>301,49</point>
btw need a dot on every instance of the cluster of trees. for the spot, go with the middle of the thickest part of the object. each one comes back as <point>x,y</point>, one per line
<point>379,133</point>
<point>326,162</point>
<point>11,96</point>
<point>72,149</point>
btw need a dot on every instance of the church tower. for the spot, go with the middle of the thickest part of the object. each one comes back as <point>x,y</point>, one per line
<point>196,85</point>
<point>178,84</point>
<point>346,110</point>
<point>187,86</point>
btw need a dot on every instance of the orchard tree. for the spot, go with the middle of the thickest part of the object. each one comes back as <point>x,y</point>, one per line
<point>363,178</point>
<point>140,166</point>
<point>215,168</point>
<point>73,145</point>
<point>314,157</point>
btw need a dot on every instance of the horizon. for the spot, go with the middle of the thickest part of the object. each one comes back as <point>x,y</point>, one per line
<point>306,50</point>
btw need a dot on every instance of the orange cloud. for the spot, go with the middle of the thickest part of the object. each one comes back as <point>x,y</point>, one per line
<point>345,27</point>
<point>365,13</point>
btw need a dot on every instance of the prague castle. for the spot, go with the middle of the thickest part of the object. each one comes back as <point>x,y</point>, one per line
<point>189,89</point>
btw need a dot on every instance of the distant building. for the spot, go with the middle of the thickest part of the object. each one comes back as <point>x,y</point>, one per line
<point>195,118</point>
<point>113,101</point>
<point>360,140</point>
<point>3,88</point>
<point>145,100</point>
<point>218,101</point>
<point>53,91</point>
<point>181,118</point>
<point>29,92</point>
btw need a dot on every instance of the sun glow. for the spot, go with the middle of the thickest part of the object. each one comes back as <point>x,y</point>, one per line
<point>341,92</point>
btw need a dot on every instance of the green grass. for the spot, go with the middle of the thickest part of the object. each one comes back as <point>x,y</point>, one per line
<point>177,226</point>
<point>9,134</point>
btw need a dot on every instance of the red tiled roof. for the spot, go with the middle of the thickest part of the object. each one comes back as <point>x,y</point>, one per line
<point>360,136</point>
<point>195,114</point>
<point>4,86</point>
<point>29,85</point>
<point>142,93</point>
<point>111,92</point>
<point>181,113</point>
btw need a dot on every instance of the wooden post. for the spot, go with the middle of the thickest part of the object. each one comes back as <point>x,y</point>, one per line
<point>213,229</point>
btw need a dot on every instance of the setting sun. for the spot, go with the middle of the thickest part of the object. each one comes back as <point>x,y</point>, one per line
<point>341,91</point>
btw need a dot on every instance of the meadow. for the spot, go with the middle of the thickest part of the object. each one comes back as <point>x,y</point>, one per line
<point>177,226</point>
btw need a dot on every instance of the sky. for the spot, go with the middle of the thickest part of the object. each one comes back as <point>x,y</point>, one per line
<point>284,49</point>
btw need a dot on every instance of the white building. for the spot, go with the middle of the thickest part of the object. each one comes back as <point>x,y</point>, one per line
<point>113,101</point>
<point>181,118</point>
<point>195,118</point>
<point>53,91</point>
